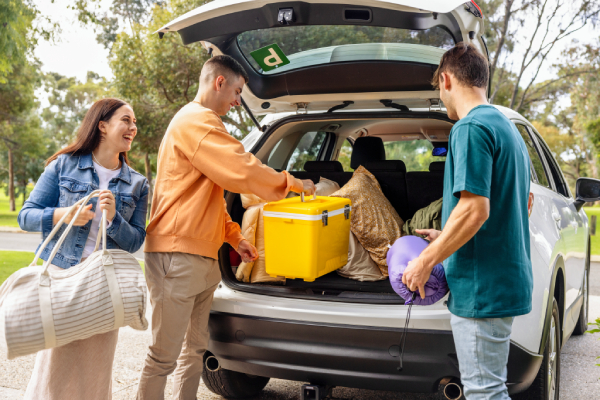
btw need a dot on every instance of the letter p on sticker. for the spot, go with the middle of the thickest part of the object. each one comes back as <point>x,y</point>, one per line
<point>269,57</point>
<point>273,59</point>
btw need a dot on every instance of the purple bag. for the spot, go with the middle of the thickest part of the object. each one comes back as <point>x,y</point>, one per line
<point>406,249</point>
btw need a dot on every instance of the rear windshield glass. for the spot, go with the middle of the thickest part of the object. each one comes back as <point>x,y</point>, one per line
<point>322,44</point>
<point>416,154</point>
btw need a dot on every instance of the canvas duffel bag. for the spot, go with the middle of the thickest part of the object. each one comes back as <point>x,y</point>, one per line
<point>42,308</point>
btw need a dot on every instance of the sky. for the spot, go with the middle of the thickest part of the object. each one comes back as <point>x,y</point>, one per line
<point>77,51</point>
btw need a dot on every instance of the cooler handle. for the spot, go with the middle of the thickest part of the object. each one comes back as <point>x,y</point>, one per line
<point>302,196</point>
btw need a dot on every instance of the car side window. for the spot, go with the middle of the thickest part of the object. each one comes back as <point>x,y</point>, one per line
<point>293,151</point>
<point>559,182</point>
<point>538,173</point>
<point>345,155</point>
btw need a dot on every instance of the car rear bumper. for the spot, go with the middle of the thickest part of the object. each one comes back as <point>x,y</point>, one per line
<point>344,355</point>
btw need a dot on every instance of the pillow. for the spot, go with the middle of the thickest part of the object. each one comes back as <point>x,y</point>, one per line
<point>325,187</point>
<point>361,266</point>
<point>253,230</point>
<point>374,221</point>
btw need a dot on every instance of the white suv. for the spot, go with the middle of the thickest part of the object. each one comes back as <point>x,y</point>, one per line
<point>342,72</point>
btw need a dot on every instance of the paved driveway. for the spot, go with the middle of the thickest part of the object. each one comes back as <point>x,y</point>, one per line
<point>579,378</point>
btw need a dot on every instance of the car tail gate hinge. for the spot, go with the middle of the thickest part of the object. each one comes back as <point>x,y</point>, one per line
<point>325,217</point>
<point>347,211</point>
<point>301,108</point>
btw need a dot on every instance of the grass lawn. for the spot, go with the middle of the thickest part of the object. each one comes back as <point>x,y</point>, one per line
<point>596,238</point>
<point>11,261</point>
<point>8,218</point>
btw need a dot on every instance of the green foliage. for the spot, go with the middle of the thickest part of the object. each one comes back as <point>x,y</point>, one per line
<point>16,18</point>
<point>595,330</point>
<point>109,24</point>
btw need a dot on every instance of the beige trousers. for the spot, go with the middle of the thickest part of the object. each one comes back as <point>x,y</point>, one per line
<point>80,370</point>
<point>181,291</point>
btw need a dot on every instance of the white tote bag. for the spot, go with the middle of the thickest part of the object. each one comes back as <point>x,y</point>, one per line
<point>41,309</point>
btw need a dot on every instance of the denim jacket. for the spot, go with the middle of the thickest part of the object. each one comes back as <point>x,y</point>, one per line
<point>70,178</point>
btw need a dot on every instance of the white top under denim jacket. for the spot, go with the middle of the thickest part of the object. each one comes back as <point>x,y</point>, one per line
<point>70,178</point>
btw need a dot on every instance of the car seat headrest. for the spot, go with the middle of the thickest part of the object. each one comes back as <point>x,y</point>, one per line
<point>366,149</point>
<point>323,166</point>
<point>388,166</point>
<point>437,166</point>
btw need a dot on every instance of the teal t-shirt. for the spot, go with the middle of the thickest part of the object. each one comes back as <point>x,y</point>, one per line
<point>490,276</point>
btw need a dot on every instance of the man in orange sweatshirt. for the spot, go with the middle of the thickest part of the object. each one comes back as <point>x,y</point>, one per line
<point>197,160</point>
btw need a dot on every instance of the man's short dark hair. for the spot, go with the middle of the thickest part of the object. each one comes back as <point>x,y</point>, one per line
<point>467,64</point>
<point>226,65</point>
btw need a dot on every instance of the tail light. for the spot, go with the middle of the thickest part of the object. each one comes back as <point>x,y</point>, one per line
<point>234,258</point>
<point>530,204</point>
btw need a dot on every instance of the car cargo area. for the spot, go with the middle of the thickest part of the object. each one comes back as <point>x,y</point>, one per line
<point>321,146</point>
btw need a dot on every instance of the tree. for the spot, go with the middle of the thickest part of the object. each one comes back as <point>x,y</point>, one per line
<point>69,100</point>
<point>17,99</point>
<point>16,19</point>
<point>552,22</point>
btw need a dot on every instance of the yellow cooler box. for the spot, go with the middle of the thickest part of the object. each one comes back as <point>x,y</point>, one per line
<point>306,239</point>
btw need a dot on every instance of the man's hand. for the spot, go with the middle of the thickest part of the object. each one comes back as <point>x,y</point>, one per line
<point>309,187</point>
<point>430,234</point>
<point>416,275</point>
<point>247,251</point>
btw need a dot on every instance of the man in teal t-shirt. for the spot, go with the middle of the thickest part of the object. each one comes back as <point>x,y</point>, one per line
<point>485,226</point>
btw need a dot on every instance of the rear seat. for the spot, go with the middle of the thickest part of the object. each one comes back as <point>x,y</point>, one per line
<point>370,153</point>
<point>406,191</point>
<point>331,170</point>
<point>425,187</point>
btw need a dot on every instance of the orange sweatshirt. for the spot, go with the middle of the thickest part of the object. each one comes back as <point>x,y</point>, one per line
<point>197,160</point>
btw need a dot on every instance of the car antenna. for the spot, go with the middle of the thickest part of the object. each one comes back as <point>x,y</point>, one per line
<point>391,104</point>
<point>404,332</point>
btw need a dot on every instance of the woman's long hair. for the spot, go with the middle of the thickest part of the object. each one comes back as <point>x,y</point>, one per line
<point>88,134</point>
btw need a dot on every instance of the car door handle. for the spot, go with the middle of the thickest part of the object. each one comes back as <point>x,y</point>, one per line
<point>556,216</point>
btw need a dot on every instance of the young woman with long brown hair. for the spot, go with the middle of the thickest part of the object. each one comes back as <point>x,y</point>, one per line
<point>97,159</point>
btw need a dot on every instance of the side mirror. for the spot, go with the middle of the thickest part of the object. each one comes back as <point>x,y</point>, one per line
<point>587,190</point>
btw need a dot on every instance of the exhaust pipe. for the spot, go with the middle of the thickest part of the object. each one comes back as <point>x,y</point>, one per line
<point>212,364</point>
<point>451,388</point>
<point>453,391</point>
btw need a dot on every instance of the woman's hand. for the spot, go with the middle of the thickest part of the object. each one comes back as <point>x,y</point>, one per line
<point>84,216</point>
<point>106,201</point>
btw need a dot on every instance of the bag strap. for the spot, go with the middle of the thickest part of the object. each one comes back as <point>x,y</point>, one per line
<point>107,261</point>
<point>111,276</point>
<point>81,204</point>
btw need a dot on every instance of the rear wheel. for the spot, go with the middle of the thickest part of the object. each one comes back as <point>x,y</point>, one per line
<point>231,384</point>
<point>547,382</point>
<point>582,322</point>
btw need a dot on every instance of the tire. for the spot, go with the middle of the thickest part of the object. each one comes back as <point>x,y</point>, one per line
<point>231,384</point>
<point>546,385</point>
<point>582,322</point>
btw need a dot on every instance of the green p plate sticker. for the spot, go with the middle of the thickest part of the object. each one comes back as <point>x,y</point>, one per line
<point>270,57</point>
